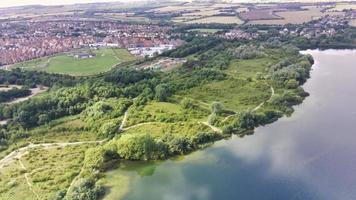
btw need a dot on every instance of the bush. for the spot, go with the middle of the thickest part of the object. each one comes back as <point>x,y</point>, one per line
<point>187,103</point>
<point>86,189</point>
<point>177,145</point>
<point>95,158</point>
<point>140,147</point>
<point>213,119</point>
<point>162,92</point>
<point>205,137</point>
<point>217,108</point>
<point>109,129</point>
<point>246,120</point>
<point>292,84</point>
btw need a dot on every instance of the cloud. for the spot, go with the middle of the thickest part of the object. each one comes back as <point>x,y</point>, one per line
<point>11,3</point>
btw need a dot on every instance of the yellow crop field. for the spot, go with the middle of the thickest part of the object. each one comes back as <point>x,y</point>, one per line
<point>205,13</point>
<point>177,8</point>
<point>294,17</point>
<point>224,5</point>
<point>342,6</point>
<point>217,19</point>
<point>184,19</point>
<point>241,9</point>
<point>353,22</point>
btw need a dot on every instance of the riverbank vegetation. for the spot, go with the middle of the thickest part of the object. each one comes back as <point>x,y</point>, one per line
<point>224,88</point>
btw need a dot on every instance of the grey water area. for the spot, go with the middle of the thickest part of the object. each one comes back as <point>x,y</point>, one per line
<point>310,155</point>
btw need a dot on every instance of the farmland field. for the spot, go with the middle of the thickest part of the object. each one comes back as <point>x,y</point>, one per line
<point>122,17</point>
<point>294,17</point>
<point>176,8</point>
<point>353,23</point>
<point>103,60</point>
<point>217,19</point>
<point>241,9</point>
<point>203,13</point>
<point>259,15</point>
<point>343,6</point>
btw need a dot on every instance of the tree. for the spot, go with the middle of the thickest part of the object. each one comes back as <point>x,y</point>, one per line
<point>246,120</point>
<point>162,92</point>
<point>140,147</point>
<point>86,189</point>
<point>187,103</point>
<point>109,129</point>
<point>43,119</point>
<point>217,108</point>
<point>292,84</point>
<point>212,119</point>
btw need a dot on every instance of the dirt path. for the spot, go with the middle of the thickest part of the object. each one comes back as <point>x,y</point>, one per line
<point>124,120</point>
<point>214,128</point>
<point>74,180</point>
<point>261,104</point>
<point>28,180</point>
<point>34,92</point>
<point>256,108</point>
<point>272,94</point>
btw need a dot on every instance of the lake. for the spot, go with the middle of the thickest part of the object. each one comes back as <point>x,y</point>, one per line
<point>310,155</point>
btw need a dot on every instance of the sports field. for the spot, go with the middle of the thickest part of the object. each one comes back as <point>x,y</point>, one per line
<point>205,30</point>
<point>103,60</point>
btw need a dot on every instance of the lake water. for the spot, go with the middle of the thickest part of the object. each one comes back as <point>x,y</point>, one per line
<point>310,155</point>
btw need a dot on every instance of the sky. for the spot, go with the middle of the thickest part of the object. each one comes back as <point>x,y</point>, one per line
<point>10,3</point>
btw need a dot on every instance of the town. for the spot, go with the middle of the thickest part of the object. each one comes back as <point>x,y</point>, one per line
<point>22,41</point>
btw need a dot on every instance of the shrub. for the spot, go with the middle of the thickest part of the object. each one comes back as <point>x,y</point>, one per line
<point>176,144</point>
<point>205,137</point>
<point>140,147</point>
<point>109,129</point>
<point>162,92</point>
<point>86,189</point>
<point>187,103</point>
<point>217,108</point>
<point>292,84</point>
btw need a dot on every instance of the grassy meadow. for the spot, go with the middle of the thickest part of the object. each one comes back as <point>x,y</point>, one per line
<point>49,171</point>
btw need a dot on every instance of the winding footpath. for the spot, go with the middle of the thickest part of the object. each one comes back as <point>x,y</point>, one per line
<point>214,128</point>
<point>124,120</point>
<point>256,108</point>
<point>28,180</point>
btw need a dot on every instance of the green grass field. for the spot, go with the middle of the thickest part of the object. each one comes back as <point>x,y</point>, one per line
<point>158,129</point>
<point>165,112</point>
<point>241,91</point>
<point>205,30</point>
<point>104,60</point>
